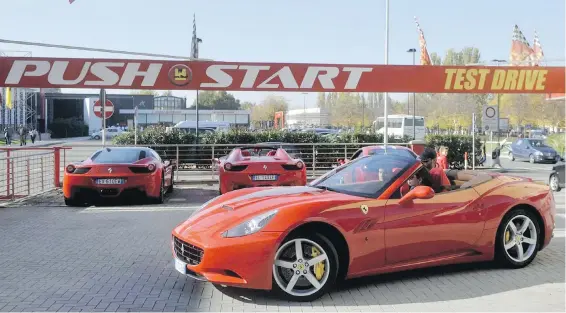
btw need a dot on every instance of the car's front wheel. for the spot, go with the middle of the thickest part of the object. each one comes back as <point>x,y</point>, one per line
<point>511,156</point>
<point>554,183</point>
<point>517,238</point>
<point>305,267</point>
<point>532,159</point>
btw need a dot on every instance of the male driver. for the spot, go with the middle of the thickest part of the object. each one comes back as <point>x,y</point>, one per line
<point>440,181</point>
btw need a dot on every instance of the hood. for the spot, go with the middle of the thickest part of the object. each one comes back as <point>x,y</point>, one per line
<point>236,207</point>
<point>545,149</point>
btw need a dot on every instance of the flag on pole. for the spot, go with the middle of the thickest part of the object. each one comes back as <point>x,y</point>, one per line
<point>195,40</point>
<point>8,103</point>
<point>425,58</point>
<point>537,50</point>
<point>521,52</point>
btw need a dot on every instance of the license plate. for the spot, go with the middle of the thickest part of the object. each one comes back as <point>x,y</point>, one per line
<point>180,266</point>
<point>264,177</point>
<point>109,181</point>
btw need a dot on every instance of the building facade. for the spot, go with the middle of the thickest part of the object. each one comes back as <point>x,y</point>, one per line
<point>315,117</point>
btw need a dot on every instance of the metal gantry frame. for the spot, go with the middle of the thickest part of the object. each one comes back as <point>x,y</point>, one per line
<point>25,102</point>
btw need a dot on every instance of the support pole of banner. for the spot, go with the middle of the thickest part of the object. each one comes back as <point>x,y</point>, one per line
<point>102,106</point>
<point>136,127</point>
<point>498,97</point>
<point>473,141</point>
<point>385,94</point>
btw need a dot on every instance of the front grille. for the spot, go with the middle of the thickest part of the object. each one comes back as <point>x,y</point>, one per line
<point>187,252</point>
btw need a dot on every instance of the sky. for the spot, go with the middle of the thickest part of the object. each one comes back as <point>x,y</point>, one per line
<point>317,31</point>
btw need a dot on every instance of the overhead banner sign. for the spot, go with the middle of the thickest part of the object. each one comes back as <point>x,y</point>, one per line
<point>236,76</point>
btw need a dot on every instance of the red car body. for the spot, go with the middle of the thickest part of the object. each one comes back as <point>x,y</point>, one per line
<point>260,166</point>
<point>241,238</point>
<point>369,150</point>
<point>118,171</point>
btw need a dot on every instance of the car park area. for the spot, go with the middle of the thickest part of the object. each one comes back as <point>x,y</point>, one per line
<point>118,258</point>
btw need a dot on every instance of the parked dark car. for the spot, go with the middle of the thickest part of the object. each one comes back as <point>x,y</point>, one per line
<point>556,178</point>
<point>533,150</point>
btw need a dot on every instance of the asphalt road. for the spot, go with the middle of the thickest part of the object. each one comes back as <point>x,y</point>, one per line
<point>117,258</point>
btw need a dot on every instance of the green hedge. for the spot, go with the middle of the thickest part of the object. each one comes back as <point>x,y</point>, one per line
<point>156,136</point>
<point>558,142</point>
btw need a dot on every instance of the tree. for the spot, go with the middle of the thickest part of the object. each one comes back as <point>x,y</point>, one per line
<point>217,100</point>
<point>144,92</point>
<point>167,93</point>
<point>265,111</point>
<point>321,100</point>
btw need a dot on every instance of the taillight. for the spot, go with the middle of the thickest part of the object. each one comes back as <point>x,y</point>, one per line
<point>300,164</point>
<point>227,166</point>
<point>70,168</point>
<point>151,167</point>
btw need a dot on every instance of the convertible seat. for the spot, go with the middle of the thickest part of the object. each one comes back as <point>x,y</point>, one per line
<point>461,179</point>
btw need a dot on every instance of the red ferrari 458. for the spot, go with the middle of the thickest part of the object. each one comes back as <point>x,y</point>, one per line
<point>299,241</point>
<point>118,172</point>
<point>259,165</point>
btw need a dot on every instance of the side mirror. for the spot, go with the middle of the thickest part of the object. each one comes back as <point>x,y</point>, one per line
<point>419,192</point>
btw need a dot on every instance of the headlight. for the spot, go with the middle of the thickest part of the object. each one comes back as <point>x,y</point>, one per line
<point>251,226</point>
<point>538,153</point>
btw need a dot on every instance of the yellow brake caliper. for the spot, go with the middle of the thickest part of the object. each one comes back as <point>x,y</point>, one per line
<point>319,267</point>
<point>507,236</point>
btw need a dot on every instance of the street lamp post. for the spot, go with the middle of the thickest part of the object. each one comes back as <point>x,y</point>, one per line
<point>385,94</point>
<point>413,50</point>
<point>305,108</point>
<point>498,97</point>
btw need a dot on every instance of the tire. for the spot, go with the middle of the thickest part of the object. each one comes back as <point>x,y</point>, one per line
<point>161,198</point>
<point>303,290</point>
<point>170,188</point>
<point>511,156</point>
<point>97,137</point>
<point>553,183</point>
<point>509,257</point>
<point>73,202</point>
<point>532,159</point>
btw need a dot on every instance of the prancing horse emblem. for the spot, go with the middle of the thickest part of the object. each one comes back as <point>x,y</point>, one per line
<point>364,209</point>
<point>110,170</point>
<point>265,167</point>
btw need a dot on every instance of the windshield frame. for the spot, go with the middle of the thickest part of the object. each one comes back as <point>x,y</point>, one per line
<point>319,182</point>
<point>532,143</point>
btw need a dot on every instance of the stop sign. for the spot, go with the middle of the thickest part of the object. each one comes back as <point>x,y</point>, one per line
<point>108,109</point>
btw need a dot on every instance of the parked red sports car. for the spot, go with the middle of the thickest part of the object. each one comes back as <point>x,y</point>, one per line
<point>370,150</point>
<point>118,172</point>
<point>259,165</point>
<point>299,241</point>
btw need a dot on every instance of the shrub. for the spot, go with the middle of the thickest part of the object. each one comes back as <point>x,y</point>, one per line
<point>457,145</point>
<point>68,127</point>
<point>156,136</point>
<point>557,141</point>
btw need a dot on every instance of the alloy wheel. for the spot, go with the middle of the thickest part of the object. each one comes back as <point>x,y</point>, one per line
<point>554,186</point>
<point>520,238</point>
<point>301,267</point>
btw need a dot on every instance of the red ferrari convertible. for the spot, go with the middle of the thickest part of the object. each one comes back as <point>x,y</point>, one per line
<point>299,241</point>
<point>259,165</point>
<point>118,172</point>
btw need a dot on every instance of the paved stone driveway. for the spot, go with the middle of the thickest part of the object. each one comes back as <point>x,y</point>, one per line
<point>100,259</point>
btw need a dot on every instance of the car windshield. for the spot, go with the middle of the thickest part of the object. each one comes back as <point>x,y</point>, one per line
<point>367,176</point>
<point>537,143</point>
<point>117,156</point>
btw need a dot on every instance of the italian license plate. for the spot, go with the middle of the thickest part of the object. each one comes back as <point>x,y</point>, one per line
<point>109,181</point>
<point>180,266</point>
<point>264,177</point>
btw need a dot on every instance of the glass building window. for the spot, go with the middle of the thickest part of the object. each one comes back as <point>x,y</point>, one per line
<point>169,103</point>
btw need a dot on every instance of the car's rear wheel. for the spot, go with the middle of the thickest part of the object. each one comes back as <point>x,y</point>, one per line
<point>170,188</point>
<point>517,239</point>
<point>554,183</point>
<point>305,267</point>
<point>161,197</point>
<point>511,156</point>
<point>73,202</point>
<point>97,137</point>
